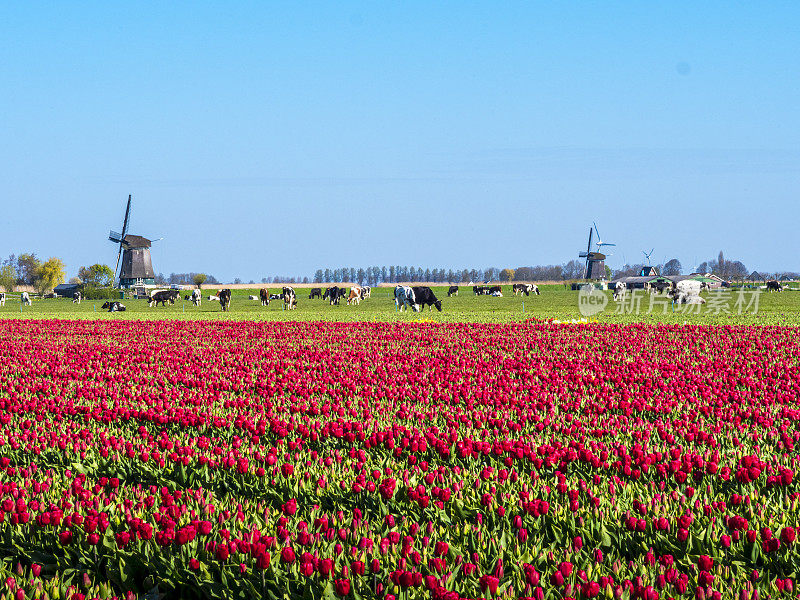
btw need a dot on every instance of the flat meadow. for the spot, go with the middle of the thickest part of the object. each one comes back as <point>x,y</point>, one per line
<point>555,302</point>
<point>357,452</point>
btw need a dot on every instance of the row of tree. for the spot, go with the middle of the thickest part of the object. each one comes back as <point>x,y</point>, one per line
<point>397,273</point>
<point>28,270</point>
<point>185,279</point>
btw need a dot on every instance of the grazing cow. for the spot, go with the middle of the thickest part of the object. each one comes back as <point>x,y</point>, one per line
<point>195,297</point>
<point>225,299</point>
<point>315,293</point>
<point>660,287</point>
<point>114,306</point>
<point>452,291</point>
<point>354,297</point>
<point>366,291</point>
<point>480,290</point>
<point>25,299</point>
<point>343,292</point>
<point>289,298</point>
<point>76,298</point>
<point>525,288</point>
<point>494,290</point>
<point>163,297</point>
<point>680,297</point>
<point>2,298</point>
<point>276,296</point>
<point>423,296</point>
<point>263,294</point>
<point>620,289</point>
<point>332,295</point>
<point>774,286</point>
<point>404,296</point>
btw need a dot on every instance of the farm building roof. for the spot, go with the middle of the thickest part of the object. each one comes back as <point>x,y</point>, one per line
<point>638,279</point>
<point>66,288</point>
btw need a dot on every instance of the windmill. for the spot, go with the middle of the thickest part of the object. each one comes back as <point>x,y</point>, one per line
<point>648,270</point>
<point>595,261</point>
<point>134,252</point>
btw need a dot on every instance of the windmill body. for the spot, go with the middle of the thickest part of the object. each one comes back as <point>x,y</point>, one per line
<point>595,261</point>
<point>137,266</point>
<point>134,256</point>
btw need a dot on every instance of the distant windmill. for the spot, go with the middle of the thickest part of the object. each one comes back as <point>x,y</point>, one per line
<point>595,261</point>
<point>648,270</point>
<point>134,251</point>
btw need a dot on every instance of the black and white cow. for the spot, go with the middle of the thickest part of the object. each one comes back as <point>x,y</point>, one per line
<point>494,290</point>
<point>620,288</point>
<point>660,287</point>
<point>774,286</point>
<point>315,293</point>
<point>423,296</point>
<point>25,299</point>
<point>2,298</point>
<point>525,288</point>
<point>344,292</point>
<point>224,299</point>
<point>163,297</point>
<point>263,295</point>
<point>114,306</point>
<point>196,297</point>
<point>76,298</point>
<point>331,295</point>
<point>479,290</point>
<point>403,297</point>
<point>366,292</point>
<point>289,298</point>
<point>452,291</point>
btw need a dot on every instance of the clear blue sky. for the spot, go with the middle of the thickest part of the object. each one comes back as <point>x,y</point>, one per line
<point>274,138</point>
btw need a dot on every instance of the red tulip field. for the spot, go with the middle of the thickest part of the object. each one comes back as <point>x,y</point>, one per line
<point>397,460</point>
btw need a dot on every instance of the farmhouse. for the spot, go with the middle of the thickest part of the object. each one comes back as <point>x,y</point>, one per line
<point>649,276</point>
<point>66,290</point>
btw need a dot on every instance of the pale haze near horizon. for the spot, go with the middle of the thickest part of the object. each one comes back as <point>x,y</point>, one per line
<point>264,140</point>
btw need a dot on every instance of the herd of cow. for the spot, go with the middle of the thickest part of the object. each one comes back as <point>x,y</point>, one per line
<point>416,297</point>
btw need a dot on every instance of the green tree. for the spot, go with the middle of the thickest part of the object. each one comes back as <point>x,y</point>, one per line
<point>507,275</point>
<point>8,278</point>
<point>199,279</point>
<point>672,267</point>
<point>27,267</point>
<point>49,275</point>
<point>98,276</point>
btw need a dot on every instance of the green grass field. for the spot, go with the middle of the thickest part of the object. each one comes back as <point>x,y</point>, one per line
<point>554,303</point>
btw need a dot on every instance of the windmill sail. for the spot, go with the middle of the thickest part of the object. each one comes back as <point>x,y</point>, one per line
<point>124,233</point>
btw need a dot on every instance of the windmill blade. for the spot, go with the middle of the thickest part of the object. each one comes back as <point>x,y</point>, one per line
<point>589,245</point>
<point>127,218</point>
<point>119,255</point>
<point>598,232</point>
